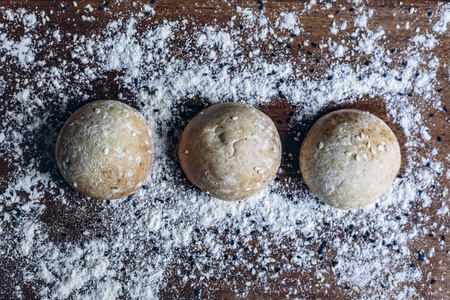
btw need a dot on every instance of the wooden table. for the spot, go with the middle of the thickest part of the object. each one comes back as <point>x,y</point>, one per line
<point>316,24</point>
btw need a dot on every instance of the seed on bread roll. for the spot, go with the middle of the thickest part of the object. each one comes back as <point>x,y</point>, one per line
<point>349,158</point>
<point>104,150</point>
<point>230,150</point>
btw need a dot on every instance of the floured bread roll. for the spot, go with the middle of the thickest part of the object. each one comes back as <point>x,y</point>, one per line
<point>104,149</point>
<point>349,158</point>
<point>230,150</point>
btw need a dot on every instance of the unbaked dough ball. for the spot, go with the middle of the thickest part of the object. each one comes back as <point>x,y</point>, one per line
<point>230,150</point>
<point>349,158</point>
<point>104,149</point>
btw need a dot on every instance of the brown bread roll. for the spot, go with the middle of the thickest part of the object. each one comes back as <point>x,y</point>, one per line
<point>230,150</point>
<point>104,149</point>
<point>349,158</point>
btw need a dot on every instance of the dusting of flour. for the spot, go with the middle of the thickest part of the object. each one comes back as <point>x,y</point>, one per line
<point>169,229</point>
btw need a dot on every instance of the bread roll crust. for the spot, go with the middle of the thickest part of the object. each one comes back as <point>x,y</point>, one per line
<point>105,149</point>
<point>230,150</point>
<point>349,158</point>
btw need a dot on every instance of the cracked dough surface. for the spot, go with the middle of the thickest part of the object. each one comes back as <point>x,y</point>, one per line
<point>349,158</point>
<point>230,150</point>
<point>104,149</point>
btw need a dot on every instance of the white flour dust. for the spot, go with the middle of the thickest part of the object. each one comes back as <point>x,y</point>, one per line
<point>169,229</point>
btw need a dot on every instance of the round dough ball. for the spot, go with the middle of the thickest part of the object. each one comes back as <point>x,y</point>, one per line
<point>230,150</point>
<point>105,150</point>
<point>349,158</point>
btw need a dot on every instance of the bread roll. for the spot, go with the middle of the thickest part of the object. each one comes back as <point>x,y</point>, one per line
<point>104,150</point>
<point>230,151</point>
<point>349,158</point>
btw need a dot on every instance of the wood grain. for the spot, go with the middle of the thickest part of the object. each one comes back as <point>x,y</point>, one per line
<point>72,222</point>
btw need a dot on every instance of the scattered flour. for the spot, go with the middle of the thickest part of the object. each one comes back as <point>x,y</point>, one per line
<point>168,229</point>
<point>441,25</point>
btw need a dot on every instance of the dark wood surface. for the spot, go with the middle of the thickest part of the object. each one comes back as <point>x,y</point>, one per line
<point>316,25</point>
